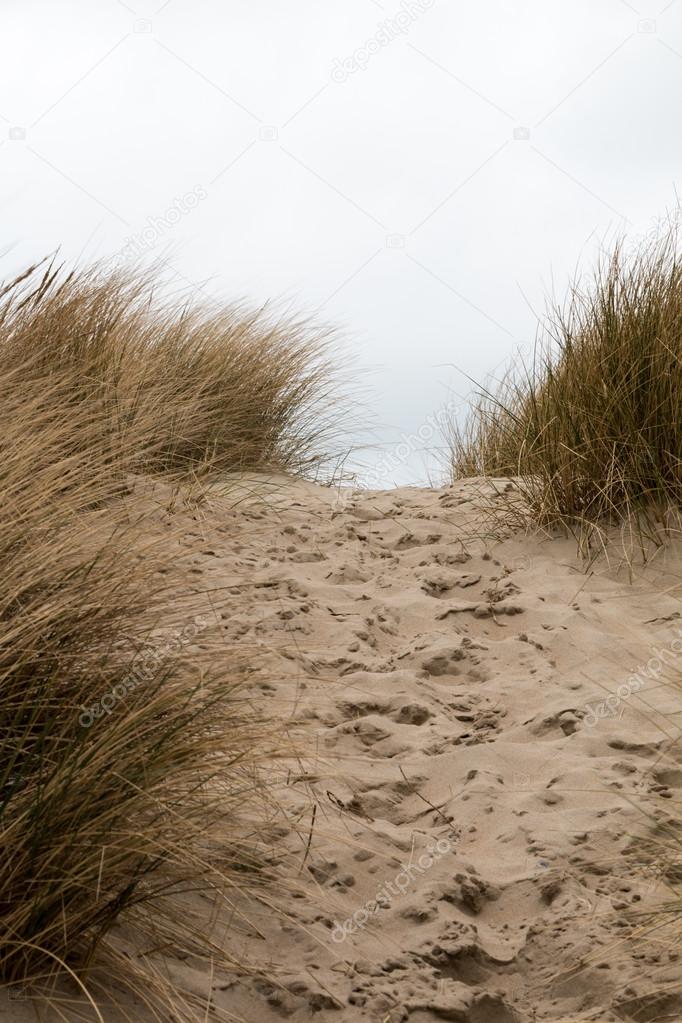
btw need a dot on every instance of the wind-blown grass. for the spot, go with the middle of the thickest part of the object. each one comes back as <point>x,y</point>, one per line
<point>102,817</point>
<point>202,386</point>
<point>593,426</point>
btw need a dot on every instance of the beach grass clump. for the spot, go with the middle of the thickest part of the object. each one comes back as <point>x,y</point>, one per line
<point>203,387</point>
<point>129,755</point>
<point>592,426</point>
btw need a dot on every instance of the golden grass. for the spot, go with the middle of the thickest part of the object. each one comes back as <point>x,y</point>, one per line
<point>593,426</point>
<point>203,387</point>
<point>125,761</point>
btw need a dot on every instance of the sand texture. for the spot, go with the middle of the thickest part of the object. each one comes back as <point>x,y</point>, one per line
<point>454,690</point>
<point>469,834</point>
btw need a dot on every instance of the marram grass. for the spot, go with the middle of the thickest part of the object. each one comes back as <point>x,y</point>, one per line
<point>104,816</point>
<point>592,427</point>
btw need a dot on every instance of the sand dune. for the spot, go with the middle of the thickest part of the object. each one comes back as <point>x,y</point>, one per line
<point>467,832</point>
<point>473,855</point>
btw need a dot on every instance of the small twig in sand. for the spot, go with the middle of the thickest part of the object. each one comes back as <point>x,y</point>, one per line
<point>435,808</point>
<point>310,838</point>
<point>581,588</point>
<point>318,981</point>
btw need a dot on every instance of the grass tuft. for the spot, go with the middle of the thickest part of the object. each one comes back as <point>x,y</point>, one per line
<point>200,387</point>
<point>593,425</point>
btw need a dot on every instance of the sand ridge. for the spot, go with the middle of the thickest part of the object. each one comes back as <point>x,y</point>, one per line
<point>475,810</point>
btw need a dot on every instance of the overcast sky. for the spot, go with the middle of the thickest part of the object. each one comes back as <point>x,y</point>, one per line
<point>419,172</point>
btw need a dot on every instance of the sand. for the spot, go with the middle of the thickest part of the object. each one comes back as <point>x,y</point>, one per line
<point>470,835</point>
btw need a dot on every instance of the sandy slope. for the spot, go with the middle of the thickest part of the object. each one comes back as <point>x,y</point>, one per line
<point>446,684</point>
<point>461,807</point>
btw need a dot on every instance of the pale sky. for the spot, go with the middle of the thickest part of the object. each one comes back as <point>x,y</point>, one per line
<point>418,172</point>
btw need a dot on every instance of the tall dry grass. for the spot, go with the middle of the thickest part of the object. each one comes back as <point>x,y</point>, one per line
<point>201,386</point>
<point>116,793</point>
<point>593,425</point>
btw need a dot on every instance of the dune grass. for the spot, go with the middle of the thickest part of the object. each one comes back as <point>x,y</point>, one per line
<point>123,755</point>
<point>203,387</point>
<point>593,425</point>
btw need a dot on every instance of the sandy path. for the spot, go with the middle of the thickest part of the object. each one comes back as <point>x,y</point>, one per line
<point>475,822</point>
<point>472,854</point>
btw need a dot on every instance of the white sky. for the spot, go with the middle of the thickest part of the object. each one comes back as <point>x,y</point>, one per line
<point>398,200</point>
